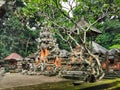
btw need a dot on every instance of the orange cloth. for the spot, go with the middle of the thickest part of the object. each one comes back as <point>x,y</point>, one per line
<point>44,53</point>
<point>57,62</point>
<point>73,58</point>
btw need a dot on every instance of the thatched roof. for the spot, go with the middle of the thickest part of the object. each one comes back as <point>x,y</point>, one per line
<point>114,51</point>
<point>63,53</point>
<point>14,56</point>
<point>82,23</point>
<point>98,48</point>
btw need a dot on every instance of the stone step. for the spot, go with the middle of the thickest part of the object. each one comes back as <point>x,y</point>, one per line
<point>111,76</point>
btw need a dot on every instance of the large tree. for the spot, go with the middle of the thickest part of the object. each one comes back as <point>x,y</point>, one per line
<point>39,13</point>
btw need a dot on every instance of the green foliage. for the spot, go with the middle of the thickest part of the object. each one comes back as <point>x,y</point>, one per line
<point>104,39</point>
<point>49,11</point>
<point>62,44</point>
<point>115,46</point>
<point>111,34</point>
<point>117,39</point>
<point>17,35</point>
<point>14,36</point>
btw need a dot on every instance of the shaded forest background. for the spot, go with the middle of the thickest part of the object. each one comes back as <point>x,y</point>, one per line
<point>23,19</point>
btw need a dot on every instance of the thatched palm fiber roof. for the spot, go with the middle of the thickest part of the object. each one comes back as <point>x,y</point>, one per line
<point>114,51</point>
<point>14,56</point>
<point>82,23</point>
<point>98,48</point>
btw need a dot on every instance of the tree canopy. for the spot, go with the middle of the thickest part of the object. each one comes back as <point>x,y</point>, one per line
<point>25,18</point>
<point>103,14</point>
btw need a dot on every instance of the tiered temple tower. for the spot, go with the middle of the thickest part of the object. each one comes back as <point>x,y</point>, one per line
<point>48,50</point>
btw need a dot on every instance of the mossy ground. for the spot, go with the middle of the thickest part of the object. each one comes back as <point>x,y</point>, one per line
<point>110,84</point>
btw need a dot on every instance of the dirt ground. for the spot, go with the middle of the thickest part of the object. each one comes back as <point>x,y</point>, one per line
<point>17,79</point>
